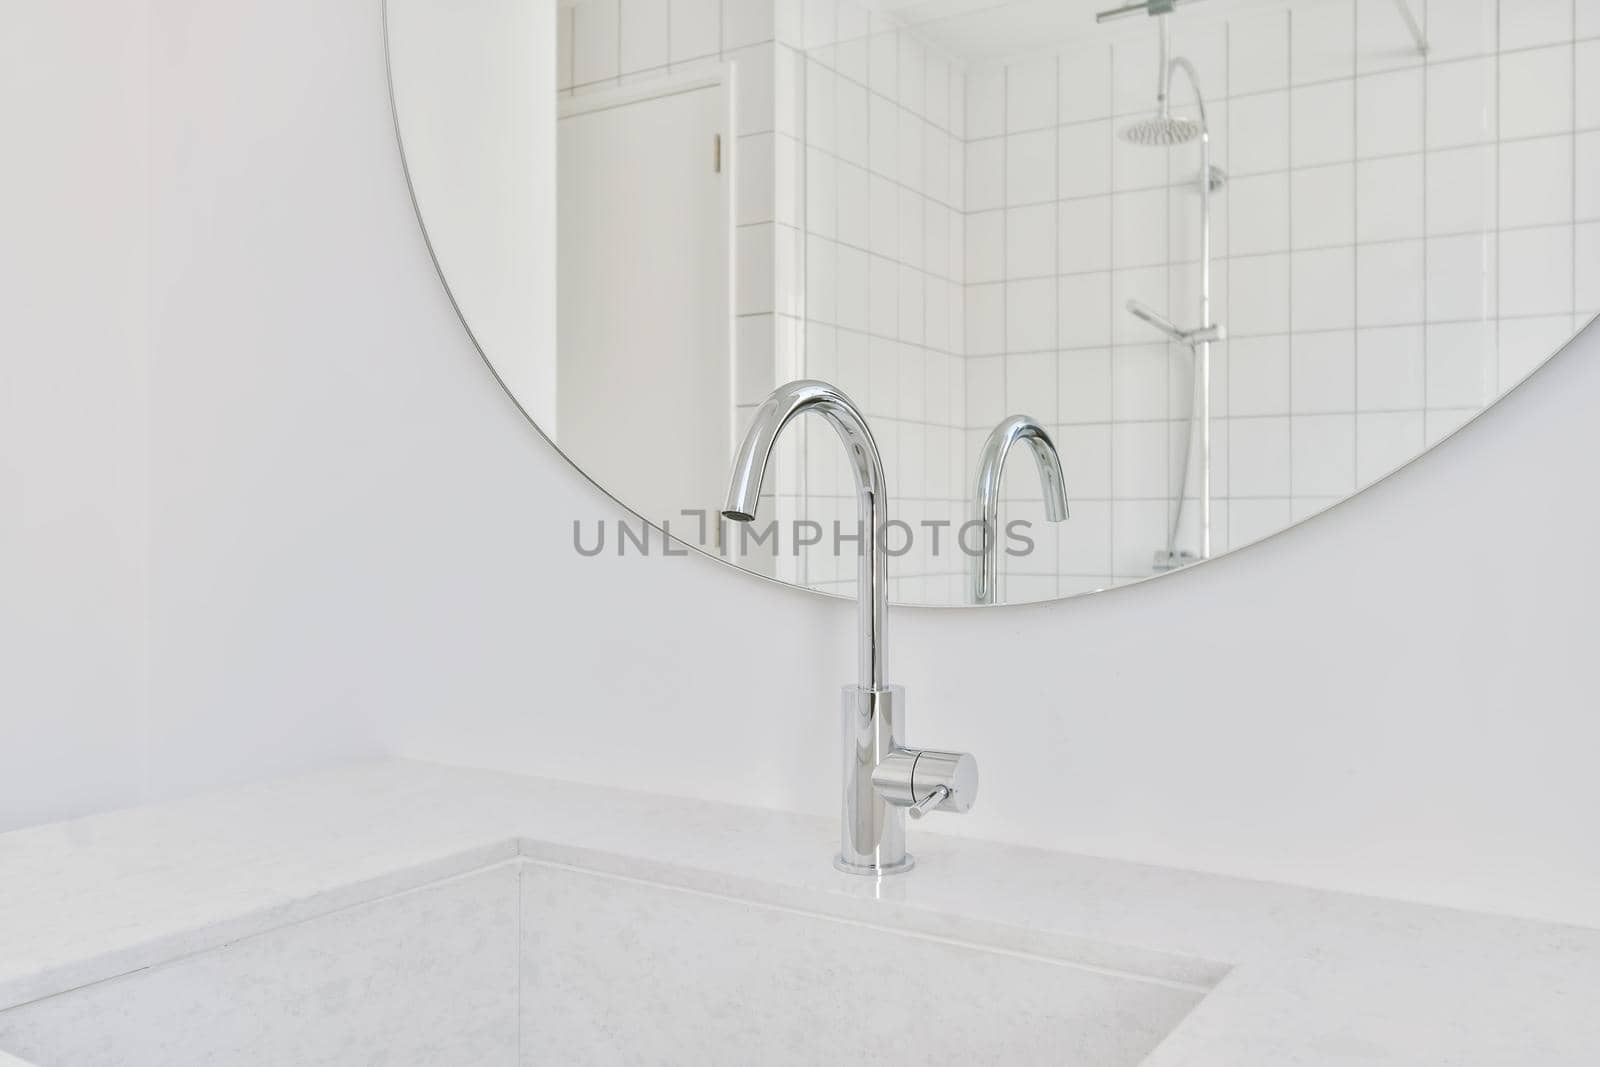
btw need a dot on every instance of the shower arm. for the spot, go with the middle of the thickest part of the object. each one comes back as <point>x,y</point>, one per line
<point>1182,63</point>
<point>1412,26</point>
<point>1164,87</point>
<point>1169,64</point>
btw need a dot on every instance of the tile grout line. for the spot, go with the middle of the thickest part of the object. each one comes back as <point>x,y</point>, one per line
<point>1001,577</point>
<point>1166,363</point>
<point>1499,250</point>
<point>1355,430</point>
<point>1055,301</point>
<point>1111,307</point>
<point>521,978</point>
<point>800,281</point>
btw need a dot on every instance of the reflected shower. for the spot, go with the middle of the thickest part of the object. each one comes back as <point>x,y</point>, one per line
<point>1166,130</point>
<point>1145,313</point>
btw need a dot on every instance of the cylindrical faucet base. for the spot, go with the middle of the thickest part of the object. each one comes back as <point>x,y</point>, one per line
<point>873,835</point>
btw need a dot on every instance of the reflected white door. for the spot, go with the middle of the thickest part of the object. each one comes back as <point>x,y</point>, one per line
<point>645,371</point>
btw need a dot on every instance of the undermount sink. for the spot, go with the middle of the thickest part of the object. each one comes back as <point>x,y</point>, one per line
<point>528,961</point>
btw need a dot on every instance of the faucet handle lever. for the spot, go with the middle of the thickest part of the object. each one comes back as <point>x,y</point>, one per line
<point>925,780</point>
<point>929,802</point>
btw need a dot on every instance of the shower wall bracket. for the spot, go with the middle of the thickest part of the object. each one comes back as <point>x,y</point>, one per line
<point>1142,7</point>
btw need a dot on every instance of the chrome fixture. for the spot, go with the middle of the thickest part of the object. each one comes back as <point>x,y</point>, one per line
<point>1165,130</point>
<point>991,466</point>
<point>1414,27</point>
<point>1202,335</point>
<point>1143,7</point>
<point>750,466</point>
<point>882,779</point>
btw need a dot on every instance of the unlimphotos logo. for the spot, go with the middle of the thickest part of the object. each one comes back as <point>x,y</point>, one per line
<point>712,533</point>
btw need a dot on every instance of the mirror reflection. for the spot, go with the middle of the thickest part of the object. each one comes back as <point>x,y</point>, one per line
<point>1209,267</point>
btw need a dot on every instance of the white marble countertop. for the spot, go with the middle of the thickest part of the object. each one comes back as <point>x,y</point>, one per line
<point>1306,977</point>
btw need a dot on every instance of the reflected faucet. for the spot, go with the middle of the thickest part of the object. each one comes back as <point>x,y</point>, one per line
<point>883,780</point>
<point>991,467</point>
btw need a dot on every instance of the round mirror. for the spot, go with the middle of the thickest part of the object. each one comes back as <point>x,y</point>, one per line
<point>1211,266</point>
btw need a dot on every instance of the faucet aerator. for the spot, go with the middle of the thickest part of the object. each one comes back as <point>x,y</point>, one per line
<point>739,516</point>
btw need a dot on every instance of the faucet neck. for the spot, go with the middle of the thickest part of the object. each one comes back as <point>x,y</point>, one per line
<point>749,467</point>
<point>991,468</point>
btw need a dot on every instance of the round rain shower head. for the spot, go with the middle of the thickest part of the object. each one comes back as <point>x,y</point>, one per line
<point>1161,131</point>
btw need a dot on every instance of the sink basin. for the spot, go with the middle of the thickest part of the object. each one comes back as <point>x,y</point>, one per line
<point>528,962</point>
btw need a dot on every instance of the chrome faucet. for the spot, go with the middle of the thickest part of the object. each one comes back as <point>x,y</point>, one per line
<point>991,466</point>
<point>883,780</point>
<point>750,465</point>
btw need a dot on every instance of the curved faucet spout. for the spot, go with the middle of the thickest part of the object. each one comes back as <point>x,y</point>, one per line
<point>750,466</point>
<point>991,466</point>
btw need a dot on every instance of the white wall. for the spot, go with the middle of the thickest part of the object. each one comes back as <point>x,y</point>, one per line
<point>294,451</point>
<point>489,68</point>
<point>72,408</point>
<point>359,546</point>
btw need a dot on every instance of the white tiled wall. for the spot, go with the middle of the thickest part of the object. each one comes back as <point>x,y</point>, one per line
<point>883,267</point>
<point>1400,241</point>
